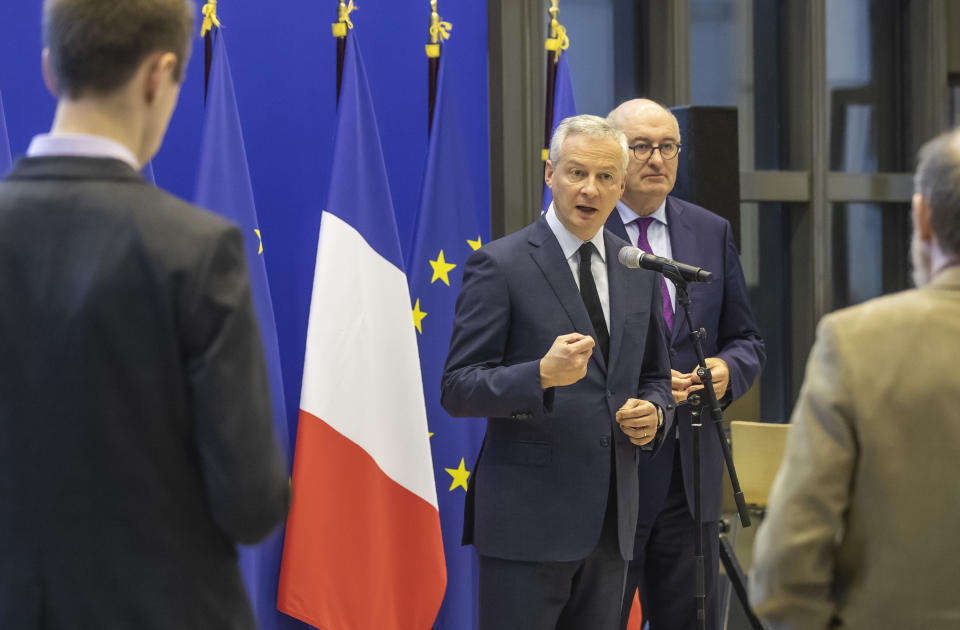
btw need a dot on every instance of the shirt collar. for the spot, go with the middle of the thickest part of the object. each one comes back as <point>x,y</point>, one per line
<point>80,145</point>
<point>569,242</point>
<point>938,260</point>
<point>627,215</point>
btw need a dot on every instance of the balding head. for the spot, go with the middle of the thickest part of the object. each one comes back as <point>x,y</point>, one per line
<point>650,179</point>
<point>626,111</point>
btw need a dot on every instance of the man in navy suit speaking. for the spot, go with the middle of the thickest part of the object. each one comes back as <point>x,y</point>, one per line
<point>564,350</point>
<point>663,563</point>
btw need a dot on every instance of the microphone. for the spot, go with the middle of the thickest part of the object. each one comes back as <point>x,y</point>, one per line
<point>634,257</point>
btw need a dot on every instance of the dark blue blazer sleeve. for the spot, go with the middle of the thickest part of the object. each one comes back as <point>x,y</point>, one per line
<point>738,337</point>
<point>654,385</point>
<point>478,380</point>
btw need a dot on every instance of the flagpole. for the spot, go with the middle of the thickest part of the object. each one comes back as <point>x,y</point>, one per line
<point>210,20</point>
<point>340,28</point>
<point>439,30</point>
<point>555,44</point>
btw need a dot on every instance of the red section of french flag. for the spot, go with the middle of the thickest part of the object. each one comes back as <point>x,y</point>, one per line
<point>361,551</point>
<point>635,622</point>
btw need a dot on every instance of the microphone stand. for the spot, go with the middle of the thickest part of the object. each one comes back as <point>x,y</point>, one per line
<point>707,397</point>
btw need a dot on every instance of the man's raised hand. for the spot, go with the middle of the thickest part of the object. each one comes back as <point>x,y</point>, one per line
<point>566,361</point>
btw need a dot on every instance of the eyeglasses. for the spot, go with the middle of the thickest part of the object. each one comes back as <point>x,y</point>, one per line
<point>644,151</point>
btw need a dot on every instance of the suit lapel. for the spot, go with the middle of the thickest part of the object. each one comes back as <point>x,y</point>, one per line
<point>615,225</point>
<point>620,296</point>
<point>548,255</point>
<point>683,243</point>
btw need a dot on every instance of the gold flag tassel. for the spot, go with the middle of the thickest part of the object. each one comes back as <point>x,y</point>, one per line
<point>210,20</point>
<point>558,40</point>
<point>439,31</point>
<point>343,22</point>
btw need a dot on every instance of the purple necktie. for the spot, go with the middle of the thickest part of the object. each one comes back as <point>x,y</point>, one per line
<point>644,223</point>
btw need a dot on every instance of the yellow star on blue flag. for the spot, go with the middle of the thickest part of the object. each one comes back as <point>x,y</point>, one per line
<point>460,475</point>
<point>440,269</point>
<point>418,316</point>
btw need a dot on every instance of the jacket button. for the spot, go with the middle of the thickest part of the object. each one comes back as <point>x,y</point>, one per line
<point>605,441</point>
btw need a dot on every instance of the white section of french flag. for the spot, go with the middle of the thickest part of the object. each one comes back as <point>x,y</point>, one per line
<point>361,371</point>
<point>363,547</point>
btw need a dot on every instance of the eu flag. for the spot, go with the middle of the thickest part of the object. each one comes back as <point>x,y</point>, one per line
<point>223,186</point>
<point>5,160</point>
<point>564,106</point>
<point>446,233</point>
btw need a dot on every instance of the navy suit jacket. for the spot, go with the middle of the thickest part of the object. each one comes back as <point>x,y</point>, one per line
<point>540,486</point>
<point>701,238</point>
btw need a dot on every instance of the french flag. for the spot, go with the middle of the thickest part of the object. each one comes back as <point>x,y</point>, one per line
<point>363,548</point>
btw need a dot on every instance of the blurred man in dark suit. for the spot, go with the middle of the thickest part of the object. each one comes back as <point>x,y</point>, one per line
<point>663,564</point>
<point>861,524</point>
<point>136,440</point>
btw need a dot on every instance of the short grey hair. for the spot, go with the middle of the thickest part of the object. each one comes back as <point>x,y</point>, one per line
<point>592,127</point>
<point>937,180</point>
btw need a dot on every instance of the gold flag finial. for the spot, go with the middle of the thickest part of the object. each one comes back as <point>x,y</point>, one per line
<point>343,22</point>
<point>439,31</point>
<point>210,20</point>
<point>558,40</point>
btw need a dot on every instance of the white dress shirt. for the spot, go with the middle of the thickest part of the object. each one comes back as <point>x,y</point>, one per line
<point>80,145</point>
<point>570,244</point>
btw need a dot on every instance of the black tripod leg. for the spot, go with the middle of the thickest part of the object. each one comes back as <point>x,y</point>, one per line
<point>701,592</point>
<point>731,469</point>
<point>737,580</point>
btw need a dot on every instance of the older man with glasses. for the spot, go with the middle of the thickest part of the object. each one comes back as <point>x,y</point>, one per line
<point>663,566</point>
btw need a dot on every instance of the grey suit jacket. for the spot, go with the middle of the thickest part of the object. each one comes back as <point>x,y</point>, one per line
<point>136,440</point>
<point>862,519</point>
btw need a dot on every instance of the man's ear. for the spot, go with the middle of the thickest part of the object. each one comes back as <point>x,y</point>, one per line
<point>548,174</point>
<point>922,224</point>
<point>49,78</point>
<point>158,70</point>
